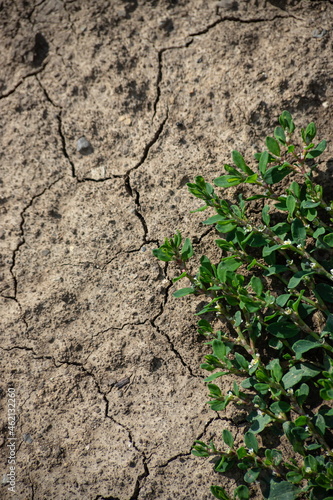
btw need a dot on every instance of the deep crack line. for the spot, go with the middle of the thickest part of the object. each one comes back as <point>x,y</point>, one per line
<point>188,454</point>
<point>242,21</point>
<point>60,127</point>
<point>22,237</point>
<point>127,183</point>
<point>159,77</point>
<point>149,145</point>
<point>173,348</point>
<point>205,30</point>
<point>108,416</point>
<point>21,81</point>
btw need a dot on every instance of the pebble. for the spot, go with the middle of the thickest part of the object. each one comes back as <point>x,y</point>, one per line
<point>27,438</point>
<point>125,119</point>
<point>318,33</point>
<point>84,147</point>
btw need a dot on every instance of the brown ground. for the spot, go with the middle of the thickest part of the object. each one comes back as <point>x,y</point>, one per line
<point>163,90</point>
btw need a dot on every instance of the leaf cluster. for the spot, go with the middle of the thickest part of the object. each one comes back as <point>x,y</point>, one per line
<point>272,289</point>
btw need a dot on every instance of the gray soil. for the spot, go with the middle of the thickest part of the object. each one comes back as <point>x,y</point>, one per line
<point>103,359</point>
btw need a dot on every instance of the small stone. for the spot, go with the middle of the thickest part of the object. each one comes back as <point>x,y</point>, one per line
<point>125,119</point>
<point>84,147</point>
<point>319,33</point>
<point>45,252</point>
<point>27,438</point>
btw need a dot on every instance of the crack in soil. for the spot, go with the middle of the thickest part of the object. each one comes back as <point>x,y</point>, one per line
<point>22,238</point>
<point>188,454</point>
<point>106,415</point>
<point>33,10</point>
<point>205,30</point>
<point>207,424</point>
<point>159,77</point>
<point>21,81</point>
<point>60,128</point>
<point>243,21</point>
<point>164,334</point>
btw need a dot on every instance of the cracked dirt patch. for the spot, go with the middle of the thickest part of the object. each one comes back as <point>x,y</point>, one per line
<point>104,361</point>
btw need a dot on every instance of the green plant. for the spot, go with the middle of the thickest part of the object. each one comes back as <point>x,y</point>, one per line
<point>272,289</point>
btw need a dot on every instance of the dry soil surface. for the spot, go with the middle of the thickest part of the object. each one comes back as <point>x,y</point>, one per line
<point>103,360</point>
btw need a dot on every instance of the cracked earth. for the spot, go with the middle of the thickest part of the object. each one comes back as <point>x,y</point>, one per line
<point>104,360</point>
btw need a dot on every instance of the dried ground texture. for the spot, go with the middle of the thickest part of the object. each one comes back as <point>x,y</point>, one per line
<point>103,359</point>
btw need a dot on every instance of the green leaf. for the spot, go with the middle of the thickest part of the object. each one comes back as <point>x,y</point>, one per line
<point>226,181</point>
<point>215,218</point>
<point>200,209</point>
<point>325,291</point>
<point>273,146</point>
<point>263,162</point>
<point>257,285</point>
<point>259,422</point>
<point>283,490</point>
<point>264,214</point>
<point>302,346</point>
<point>251,475</point>
<point>255,240</point>
<point>279,407</point>
<point>301,371</point>
<point>238,160</point>
<point>268,250</point>
<point>183,291</point>
<point>298,232</point>
<point>280,135</point>
<point>283,329</point>
<point>224,464</point>
<point>275,174</point>
<point>281,300</point>
<point>219,349</point>
<point>291,204</point>
<point>297,278</point>
<point>276,370</point>
<point>295,188</point>
<point>309,204</point>
<point>214,390</point>
<point>251,179</point>
<point>242,492</point>
<point>310,133</point>
<point>226,228</point>
<point>228,438</point>
<point>328,239</point>
<point>241,361</point>
<point>251,441</point>
<point>317,151</point>
<point>277,269</point>
<point>294,477</point>
<point>286,121</point>
<point>219,493</point>
<point>224,244</point>
<point>262,388</point>
<point>302,393</point>
<point>227,264</point>
<point>214,376</point>
<point>179,277</point>
<point>187,250</point>
<point>164,255</point>
<point>320,424</point>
